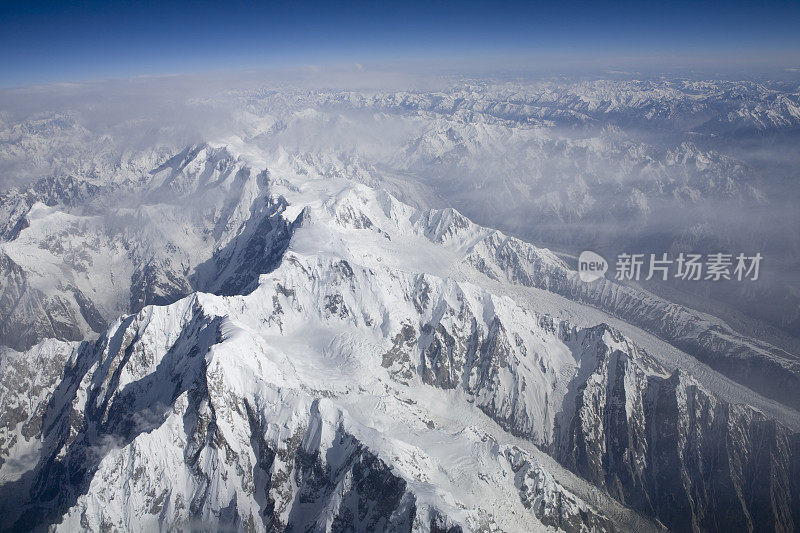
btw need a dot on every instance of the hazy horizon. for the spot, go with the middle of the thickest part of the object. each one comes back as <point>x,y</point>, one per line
<point>46,42</point>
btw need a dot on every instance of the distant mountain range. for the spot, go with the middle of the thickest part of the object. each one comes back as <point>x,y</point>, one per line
<point>295,324</point>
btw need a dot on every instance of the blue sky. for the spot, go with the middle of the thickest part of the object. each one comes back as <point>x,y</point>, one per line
<point>43,42</point>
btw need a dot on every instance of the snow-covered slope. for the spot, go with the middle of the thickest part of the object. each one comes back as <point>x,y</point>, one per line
<point>352,372</point>
<point>77,266</point>
<point>342,394</point>
<point>274,330</point>
<point>186,413</point>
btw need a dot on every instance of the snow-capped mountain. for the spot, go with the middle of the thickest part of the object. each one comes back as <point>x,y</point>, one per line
<point>277,331</point>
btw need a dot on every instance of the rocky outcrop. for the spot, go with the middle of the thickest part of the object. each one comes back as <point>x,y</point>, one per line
<point>766,369</point>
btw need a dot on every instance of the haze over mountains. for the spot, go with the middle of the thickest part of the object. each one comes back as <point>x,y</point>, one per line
<point>330,308</point>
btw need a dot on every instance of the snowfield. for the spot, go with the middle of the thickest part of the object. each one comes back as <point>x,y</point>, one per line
<point>280,328</point>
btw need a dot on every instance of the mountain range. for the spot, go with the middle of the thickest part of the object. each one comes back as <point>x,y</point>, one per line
<point>296,324</point>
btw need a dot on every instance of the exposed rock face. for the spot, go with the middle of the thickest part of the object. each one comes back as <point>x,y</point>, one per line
<point>66,191</point>
<point>235,268</point>
<point>668,448</point>
<point>190,416</point>
<point>339,364</point>
<point>660,444</point>
<point>29,315</point>
<point>766,369</point>
<point>178,416</point>
<point>207,223</point>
